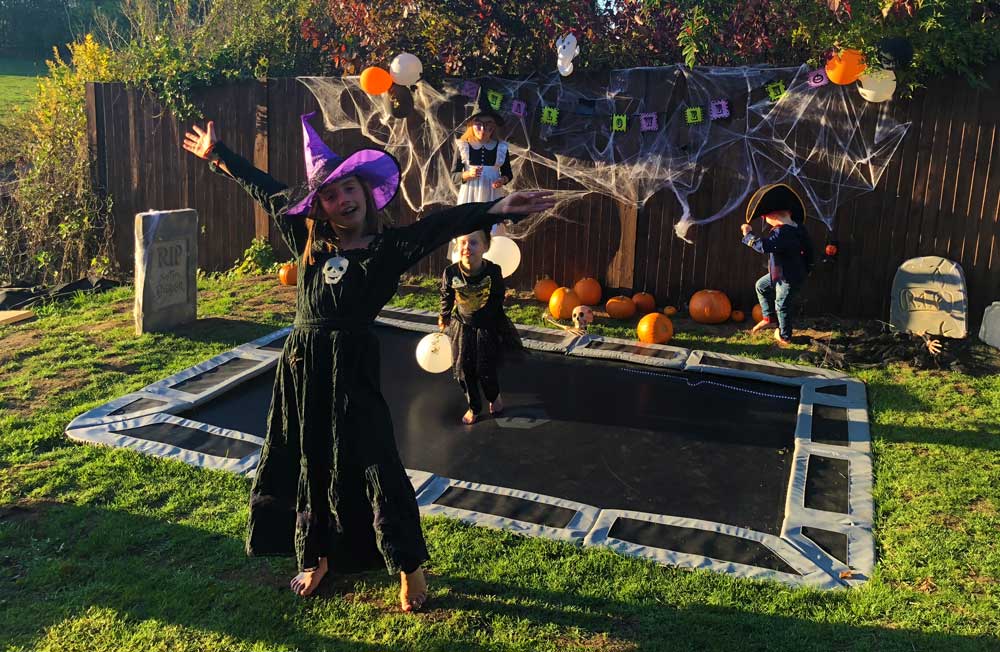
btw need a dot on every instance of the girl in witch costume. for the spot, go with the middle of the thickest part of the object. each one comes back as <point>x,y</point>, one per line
<point>482,161</point>
<point>472,292</point>
<point>330,487</point>
<point>790,255</point>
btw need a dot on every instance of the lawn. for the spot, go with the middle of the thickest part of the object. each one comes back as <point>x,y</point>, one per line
<point>18,79</point>
<point>105,549</point>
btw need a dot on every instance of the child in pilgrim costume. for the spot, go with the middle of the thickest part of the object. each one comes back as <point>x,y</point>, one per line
<point>472,293</point>
<point>330,487</point>
<point>482,161</point>
<point>789,251</point>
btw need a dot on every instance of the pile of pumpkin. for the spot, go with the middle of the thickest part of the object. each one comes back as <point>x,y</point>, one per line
<point>655,327</point>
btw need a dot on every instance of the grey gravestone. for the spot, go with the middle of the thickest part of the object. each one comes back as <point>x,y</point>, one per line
<point>166,259</point>
<point>989,332</point>
<point>928,296</point>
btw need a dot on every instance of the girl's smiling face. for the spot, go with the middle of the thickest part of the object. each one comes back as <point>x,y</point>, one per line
<point>483,129</point>
<point>471,248</point>
<point>343,203</point>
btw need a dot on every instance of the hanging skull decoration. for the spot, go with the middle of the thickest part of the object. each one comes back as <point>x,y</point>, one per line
<point>334,269</point>
<point>583,317</point>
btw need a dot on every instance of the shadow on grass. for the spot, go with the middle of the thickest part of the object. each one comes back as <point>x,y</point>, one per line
<point>60,562</point>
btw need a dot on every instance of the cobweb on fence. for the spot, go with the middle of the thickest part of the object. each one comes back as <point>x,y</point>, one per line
<point>773,127</point>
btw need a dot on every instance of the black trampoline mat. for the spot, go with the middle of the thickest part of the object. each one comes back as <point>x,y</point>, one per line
<point>589,431</point>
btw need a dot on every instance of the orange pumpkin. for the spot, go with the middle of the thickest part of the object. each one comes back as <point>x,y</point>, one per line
<point>738,316</point>
<point>620,307</point>
<point>655,328</point>
<point>845,67</point>
<point>710,307</point>
<point>670,311</point>
<point>562,302</point>
<point>544,289</point>
<point>589,291</point>
<point>288,274</point>
<point>757,313</point>
<point>644,302</point>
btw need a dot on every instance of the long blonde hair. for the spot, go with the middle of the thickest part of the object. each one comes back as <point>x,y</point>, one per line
<point>469,136</point>
<point>374,221</point>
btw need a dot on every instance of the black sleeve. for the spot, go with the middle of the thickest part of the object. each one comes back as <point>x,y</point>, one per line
<point>783,240</point>
<point>417,240</point>
<point>269,193</point>
<point>447,296</point>
<point>458,167</point>
<point>498,289</point>
<point>505,170</point>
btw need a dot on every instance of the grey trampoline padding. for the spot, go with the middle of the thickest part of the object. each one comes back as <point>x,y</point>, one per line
<point>698,542</point>
<point>193,439</point>
<point>212,377</point>
<point>829,425</point>
<point>772,370</point>
<point>833,390</point>
<point>586,431</point>
<point>827,484</point>
<point>137,405</point>
<point>832,543</point>
<point>511,507</point>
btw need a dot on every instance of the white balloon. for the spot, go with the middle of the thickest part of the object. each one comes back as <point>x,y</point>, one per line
<point>434,353</point>
<point>405,69</point>
<point>877,86</point>
<point>504,252</point>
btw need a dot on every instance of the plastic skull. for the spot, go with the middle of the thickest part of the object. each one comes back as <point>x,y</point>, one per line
<point>334,269</point>
<point>583,317</point>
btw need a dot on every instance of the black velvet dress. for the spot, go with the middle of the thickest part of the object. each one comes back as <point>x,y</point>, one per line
<point>330,481</point>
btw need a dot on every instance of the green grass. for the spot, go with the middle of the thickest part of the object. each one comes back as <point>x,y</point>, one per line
<point>105,549</point>
<point>18,80</point>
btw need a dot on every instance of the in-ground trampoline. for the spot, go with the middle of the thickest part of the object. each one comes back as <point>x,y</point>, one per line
<point>689,458</point>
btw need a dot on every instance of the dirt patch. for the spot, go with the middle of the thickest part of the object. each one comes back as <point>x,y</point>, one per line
<point>601,642</point>
<point>13,344</point>
<point>25,511</point>
<point>45,390</point>
<point>983,506</point>
<point>926,585</point>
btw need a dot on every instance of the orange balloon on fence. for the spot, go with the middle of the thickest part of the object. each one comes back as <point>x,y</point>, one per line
<point>375,80</point>
<point>845,67</point>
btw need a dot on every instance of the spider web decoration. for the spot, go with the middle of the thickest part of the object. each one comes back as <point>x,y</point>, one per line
<point>826,141</point>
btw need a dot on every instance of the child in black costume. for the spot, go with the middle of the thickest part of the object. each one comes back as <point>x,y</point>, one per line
<point>472,292</point>
<point>330,487</point>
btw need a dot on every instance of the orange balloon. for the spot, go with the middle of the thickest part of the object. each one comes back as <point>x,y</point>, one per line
<point>375,80</point>
<point>845,67</point>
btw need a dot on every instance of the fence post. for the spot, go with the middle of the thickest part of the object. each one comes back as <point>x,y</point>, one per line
<point>261,220</point>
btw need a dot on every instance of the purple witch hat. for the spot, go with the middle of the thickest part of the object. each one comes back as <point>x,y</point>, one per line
<point>378,169</point>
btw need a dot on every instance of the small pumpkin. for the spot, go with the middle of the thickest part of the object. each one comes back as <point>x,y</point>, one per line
<point>757,313</point>
<point>620,307</point>
<point>670,311</point>
<point>589,291</point>
<point>562,302</point>
<point>544,289</point>
<point>644,302</point>
<point>288,274</point>
<point>655,328</point>
<point>710,307</point>
<point>738,316</point>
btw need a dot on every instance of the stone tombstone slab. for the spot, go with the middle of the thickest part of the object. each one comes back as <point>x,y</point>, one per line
<point>166,259</point>
<point>989,332</point>
<point>928,296</point>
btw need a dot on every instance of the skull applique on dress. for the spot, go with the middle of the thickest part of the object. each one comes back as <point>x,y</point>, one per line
<point>334,269</point>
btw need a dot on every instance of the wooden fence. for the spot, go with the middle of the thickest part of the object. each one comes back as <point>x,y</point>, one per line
<point>939,196</point>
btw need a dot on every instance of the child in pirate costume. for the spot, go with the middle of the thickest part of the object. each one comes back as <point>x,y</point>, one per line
<point>330,487</point>
<point>472,293</point>
<point>790,255</point>
<point>482,161</point>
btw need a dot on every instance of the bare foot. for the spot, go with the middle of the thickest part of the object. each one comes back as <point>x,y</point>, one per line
<point>306,582</point>
<point>762,324</point>
<point>469,418</point>
<point>412,590</point>
<point>780,340</point>
<point>496,407</point>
